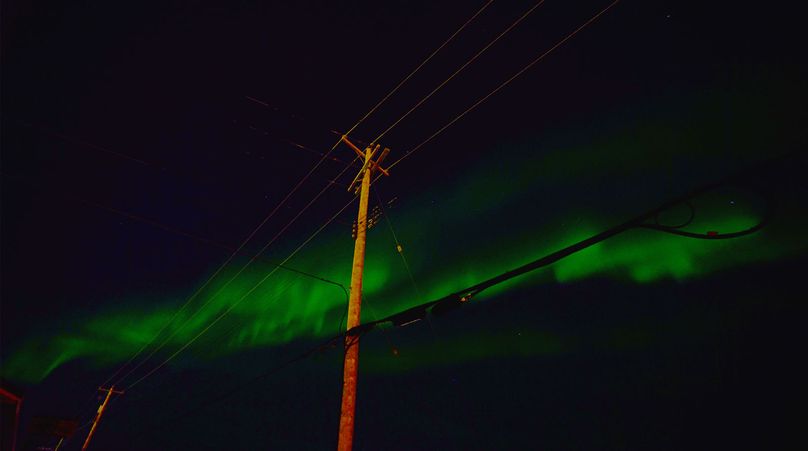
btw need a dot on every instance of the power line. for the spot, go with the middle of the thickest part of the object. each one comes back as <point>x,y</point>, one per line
<point>404,80</point>
<point>471,60</point>
<point>505,83</point>
<point>399,247</point>
<point>234,304</point>
<point>479,287</point>
<point>448,303</point>
<point>458,298</point>
<point>193,176</point>
<point>174,230</point>
<point>298,117</point>
<point>235,326</point>
<point>234,277</point>
<point>212,400</point>
<point>408,76</point>
<point>162,226</point>
<point>401,83</point>
<point>297,145</point>
<point>80,142</point>
<point>290,142</point>
<point>219,269</point>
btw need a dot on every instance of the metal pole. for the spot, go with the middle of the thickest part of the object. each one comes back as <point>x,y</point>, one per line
<point>351,365</point>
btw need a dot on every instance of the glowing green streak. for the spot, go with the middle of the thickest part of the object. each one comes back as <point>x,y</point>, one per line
<point>448,246</point>
<point>290,306</point>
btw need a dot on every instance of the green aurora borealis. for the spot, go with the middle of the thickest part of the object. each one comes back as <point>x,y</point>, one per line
<point>472,206</point>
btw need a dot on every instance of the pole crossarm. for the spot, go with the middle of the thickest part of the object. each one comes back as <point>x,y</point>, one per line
<point>368,165</point>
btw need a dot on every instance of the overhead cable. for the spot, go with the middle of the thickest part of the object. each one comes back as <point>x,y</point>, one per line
<point>460,69</point>
<point>401,83</point>
<point>448,303</point>
<point>404,80</point>
<point>503,84</point>
<point>241,299</point>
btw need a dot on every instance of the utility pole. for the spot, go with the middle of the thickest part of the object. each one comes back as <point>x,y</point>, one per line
<point>351,365</point>
<point>101,409</point>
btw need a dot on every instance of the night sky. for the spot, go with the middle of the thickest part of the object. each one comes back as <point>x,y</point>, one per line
<point>143,142</point>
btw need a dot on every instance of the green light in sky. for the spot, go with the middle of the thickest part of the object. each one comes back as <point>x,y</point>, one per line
<point>449,246</point>
<point>292,307</point>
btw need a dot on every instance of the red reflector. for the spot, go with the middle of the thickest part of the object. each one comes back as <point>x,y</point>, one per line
<point>712,233</point>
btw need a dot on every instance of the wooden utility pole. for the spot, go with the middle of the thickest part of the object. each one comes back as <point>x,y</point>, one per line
<point>101,409</point>
<point>351,365</point>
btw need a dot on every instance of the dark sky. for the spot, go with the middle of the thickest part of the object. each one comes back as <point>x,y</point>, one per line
<point>142,140</point>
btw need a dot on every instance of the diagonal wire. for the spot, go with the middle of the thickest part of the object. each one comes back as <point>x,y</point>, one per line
<point>336,144</point>
<point>279,292</point>
<point>234,277</point>
<point>374,108</point>
<point>541,262</point>
<point>404,80</point>
<point>399,247</point>
<point>505,83</point>
<point>466,64</point>
<point>218,270</point>
<point>408,153</point>
<point>400,250</point>
<point>241,299</point>
<point>212,398</point>
<point>167,228</point>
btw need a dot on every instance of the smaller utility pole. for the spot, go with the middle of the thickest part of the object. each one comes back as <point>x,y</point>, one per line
<point>101,409</point>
